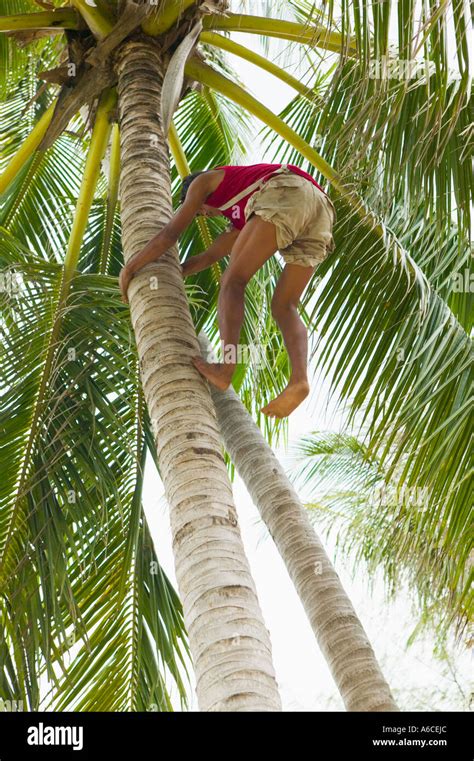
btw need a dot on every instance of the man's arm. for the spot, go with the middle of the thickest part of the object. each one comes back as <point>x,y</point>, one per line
<point>167,237</point>
<point>221,247</point>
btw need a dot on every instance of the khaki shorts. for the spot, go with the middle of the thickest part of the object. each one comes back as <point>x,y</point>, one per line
<point>302,214</point>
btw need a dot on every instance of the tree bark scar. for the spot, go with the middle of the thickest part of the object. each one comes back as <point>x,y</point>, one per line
<point>203,450</point>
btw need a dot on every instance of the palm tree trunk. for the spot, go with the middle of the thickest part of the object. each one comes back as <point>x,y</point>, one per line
<point>339,632</point>
<point>228,639</point>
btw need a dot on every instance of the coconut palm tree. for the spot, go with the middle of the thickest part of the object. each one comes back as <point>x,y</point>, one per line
<point>229,642</point>
<point>396,309</point>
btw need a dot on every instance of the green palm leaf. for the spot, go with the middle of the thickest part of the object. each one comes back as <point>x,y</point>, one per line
<point>381,526</point>
<point>80,546</point>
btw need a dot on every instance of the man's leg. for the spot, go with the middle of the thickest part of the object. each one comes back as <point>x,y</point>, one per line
<point>289,288</point>
<point>255,244</point>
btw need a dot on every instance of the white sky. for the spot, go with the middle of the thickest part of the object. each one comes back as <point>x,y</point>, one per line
<point>303,677</point>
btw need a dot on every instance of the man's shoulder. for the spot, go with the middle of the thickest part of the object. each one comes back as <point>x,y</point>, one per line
<point>211,179</point>
<point>205,184</point>
<point>217,176</point>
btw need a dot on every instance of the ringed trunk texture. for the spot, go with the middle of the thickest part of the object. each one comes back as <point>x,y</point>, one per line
<point>339,632</point>
<point>229,642</point>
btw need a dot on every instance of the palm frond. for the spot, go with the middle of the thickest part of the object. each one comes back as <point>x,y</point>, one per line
<point>78,565</point>
<point>380,525</point>
<point>21,61</point>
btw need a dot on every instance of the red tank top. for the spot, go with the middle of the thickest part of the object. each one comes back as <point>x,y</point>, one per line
<point>237,178</point>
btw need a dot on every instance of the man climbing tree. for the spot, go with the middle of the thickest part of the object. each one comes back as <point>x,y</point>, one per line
<point>271,207</point>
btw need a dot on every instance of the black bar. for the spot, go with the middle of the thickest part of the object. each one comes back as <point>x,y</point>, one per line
<point>321,734</point>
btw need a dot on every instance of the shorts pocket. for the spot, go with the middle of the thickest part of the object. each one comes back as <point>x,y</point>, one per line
<point>326,239</point>
<point>312,248</point>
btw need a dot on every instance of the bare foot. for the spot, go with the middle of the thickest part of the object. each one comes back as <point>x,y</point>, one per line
<point>289,399</point>
<point>218,373</point>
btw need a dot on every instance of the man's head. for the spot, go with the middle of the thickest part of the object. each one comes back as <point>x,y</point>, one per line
<point>186,183</point>
<point>205,210</point>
